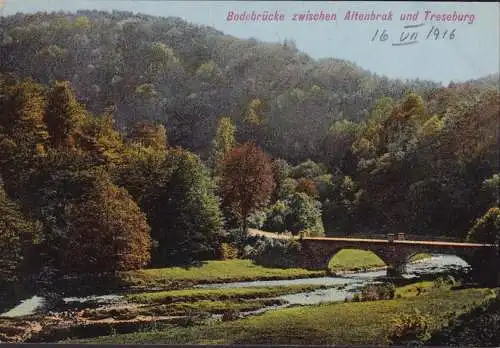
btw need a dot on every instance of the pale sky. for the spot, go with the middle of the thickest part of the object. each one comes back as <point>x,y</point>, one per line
<point>473,53</point>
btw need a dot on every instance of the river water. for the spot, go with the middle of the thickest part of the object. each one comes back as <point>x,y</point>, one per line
<point>340,287</point>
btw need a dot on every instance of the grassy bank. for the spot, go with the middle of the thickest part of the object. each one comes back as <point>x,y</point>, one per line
<point>191,295</point>
<point>335,323</point>
<point>215,272</point>
<point>246,270</point>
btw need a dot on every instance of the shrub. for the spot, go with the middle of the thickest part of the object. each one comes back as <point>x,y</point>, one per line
<point>410,327</point>
<point>275,221</point>
<point>305,214</point>
<point>257,219</point>
<point>228,251</point>
<point>487,228</point>
<point>375,292</point>
<point>278,253</point>
<point>446,281</point>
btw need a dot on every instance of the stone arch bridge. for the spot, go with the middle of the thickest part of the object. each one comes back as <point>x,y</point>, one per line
<point>316,253</point>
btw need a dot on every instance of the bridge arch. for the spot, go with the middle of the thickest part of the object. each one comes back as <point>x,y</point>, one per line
<point>317,252</point>
<point>342,259</point>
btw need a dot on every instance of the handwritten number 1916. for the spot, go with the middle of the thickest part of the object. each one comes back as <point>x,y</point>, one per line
<point>436,34</point>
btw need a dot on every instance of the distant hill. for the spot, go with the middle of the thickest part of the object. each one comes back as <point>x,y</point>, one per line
<point>186,76</point>
<point>492,80</point>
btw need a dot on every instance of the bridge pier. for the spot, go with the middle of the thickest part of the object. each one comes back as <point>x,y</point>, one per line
<point>396,270</point>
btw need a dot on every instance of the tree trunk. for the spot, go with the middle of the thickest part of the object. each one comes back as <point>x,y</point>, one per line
<point>245,224</point>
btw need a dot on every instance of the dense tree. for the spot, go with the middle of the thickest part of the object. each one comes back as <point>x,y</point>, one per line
<point>487,228</point>
<point>149,135</point>
<point>23,133</point>
<point>186,76</point>
<point>64,115</point>
<point>16,235</point>
<point>345,132</point>
<point>281,171</point>
<point>305,216</point>
<point>223,143</point>
<point>247,180</point>
<point>108,231</point>
<point>183,211</point>
<point>308,187</point>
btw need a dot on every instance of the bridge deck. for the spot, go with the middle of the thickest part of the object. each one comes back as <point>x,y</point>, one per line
<point>411,242</point>
<point>373,241</point>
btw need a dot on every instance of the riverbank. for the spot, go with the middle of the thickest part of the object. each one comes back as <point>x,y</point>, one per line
<point>202,305</point>
<point>344,262</point>
<point>212,272</point>
<point>333,323</point>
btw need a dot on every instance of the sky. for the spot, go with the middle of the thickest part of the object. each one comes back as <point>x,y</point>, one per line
<point>472,53</point>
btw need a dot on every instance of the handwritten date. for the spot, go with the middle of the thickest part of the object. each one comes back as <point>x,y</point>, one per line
<point>411,33</point>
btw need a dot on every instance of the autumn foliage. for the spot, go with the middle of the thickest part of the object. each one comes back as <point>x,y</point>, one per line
<point>110,233</point>
<point>247,181</point>
<point>308,187</point>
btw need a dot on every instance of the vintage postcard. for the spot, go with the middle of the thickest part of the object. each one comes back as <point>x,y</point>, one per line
<point>249,173</point>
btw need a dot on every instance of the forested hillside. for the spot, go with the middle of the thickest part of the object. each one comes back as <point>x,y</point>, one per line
<point>128,141</point>
<point>186,76</point>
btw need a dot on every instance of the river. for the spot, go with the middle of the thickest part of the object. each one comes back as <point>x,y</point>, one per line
<point>340,287</point>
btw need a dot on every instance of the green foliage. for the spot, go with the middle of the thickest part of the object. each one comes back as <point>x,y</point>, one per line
<point>305,215</point>
<point>140,170</point>
<point>23,133</point>
<point>223,143</point>
<point>308,169</point>
<point>257,219</point>
<point>254,113</point>
<point>480,328</point>
<point>228,252</point>
<point>64,115</point>
<point>101,141</point>
<point>276,218</point>
<point>17,233</point>
<point>82,22</point>
<point>410,327</point>
<point>183,211</point>
<point>487,228</point>
<point>432,126</point>
<point>382,110</point>
<point>149,135</point>
<point>281,171</point>
<point>492,186</point>
<point>375,292</point>
<point>278,253</point>
<point>287,188</point>
<point>342,206</point>
<point>447,281</point>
